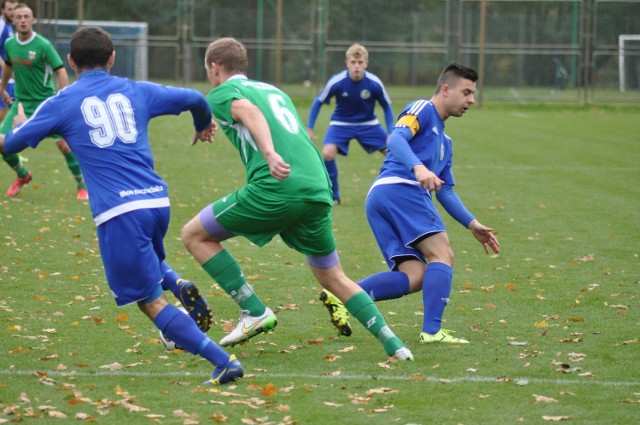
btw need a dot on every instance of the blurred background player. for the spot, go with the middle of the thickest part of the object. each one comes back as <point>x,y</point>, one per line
<point>356,92</point>
<point>401,212</point>
<point>33,60</point>
<point>287,193</point>
<point>105,119</point>
<point>6,31</point>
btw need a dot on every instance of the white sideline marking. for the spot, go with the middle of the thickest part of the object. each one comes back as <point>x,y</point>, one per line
<point>427,379</point>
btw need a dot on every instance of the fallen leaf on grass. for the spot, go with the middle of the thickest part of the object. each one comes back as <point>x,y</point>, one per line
<point>56,414</point>
<point>382,390</point>
<point>219,417</point>
<point>543,399</point>
<point>382,409</point>
<point>542,324</point>
<point>292,307</point>
<point>84,417</point>
<point>619,306</point>
<point>556,418</point>
<point>347,349</point>
<point>269,390</point>
<point>631,341</point>
<point>122,318</point>
<point>358,399</point>
<point>112,367</point>
<point>586,258</point>
<point>51,357</point>
<point>330,404</point>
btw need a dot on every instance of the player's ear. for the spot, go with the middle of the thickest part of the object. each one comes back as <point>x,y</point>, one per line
<point>112,59</point>
<point>445,90</point>
<point>72,63</point>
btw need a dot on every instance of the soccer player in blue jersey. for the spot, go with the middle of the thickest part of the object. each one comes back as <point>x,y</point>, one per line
<point>400,208</point>
<point>6,32</point>
<point>356,92</point>
<point>105,121</point>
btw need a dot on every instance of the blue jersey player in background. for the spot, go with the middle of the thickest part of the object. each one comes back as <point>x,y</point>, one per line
<point>6,32</point>
<point>400,208</point>
<point>356,92</point>
<point>104,120</point>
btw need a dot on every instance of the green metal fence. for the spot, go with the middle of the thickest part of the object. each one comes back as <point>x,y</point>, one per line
<point>529,51</point>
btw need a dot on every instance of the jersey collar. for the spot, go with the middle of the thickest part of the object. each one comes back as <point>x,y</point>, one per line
<point>238,77</point>
<point>22,43</point>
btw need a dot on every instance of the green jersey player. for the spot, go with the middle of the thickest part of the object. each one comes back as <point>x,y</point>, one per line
<point>33,61</point>
<point>288,193</point>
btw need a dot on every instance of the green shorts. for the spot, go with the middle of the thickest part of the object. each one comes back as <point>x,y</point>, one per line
<point>303,225</point>
<point>29,108</point>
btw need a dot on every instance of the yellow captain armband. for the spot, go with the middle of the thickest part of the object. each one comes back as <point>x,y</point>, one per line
<point>411,122</point>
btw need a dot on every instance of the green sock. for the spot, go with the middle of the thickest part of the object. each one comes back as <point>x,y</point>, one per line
<point>362,307</point>
<point>226,271</point>
<point>74,167</point>
<point>13,160</point>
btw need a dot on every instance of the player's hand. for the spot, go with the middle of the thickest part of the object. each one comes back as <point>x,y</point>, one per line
<point>279,169</point>
<point>485,236</point>
<point>205,135</point>
<point>20,116</point>
<point>427,179</point>
<point>6,98</point>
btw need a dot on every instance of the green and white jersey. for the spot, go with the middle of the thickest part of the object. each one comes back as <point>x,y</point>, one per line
<point>308,178</point>
<point>33,63</point>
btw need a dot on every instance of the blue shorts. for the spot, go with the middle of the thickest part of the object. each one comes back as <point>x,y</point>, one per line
<point>371,137</point>
<point>399,216</point>
<point>132,248</point>
<point>10,90</point>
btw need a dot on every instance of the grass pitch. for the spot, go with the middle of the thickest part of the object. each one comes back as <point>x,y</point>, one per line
<point>553,320</point>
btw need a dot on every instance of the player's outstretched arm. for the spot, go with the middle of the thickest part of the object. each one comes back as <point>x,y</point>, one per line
<point>485,236</point>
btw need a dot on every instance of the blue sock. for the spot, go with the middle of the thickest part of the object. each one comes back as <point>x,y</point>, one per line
<point>213,352</point>
<point>332,169</point>
<point>386,285</point>
<point>181,329</point>
<point>436,288</point>
<point>169,279</point>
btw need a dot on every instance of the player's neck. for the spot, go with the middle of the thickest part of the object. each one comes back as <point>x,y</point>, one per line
<point>440,106</point>
<point>25,36</point>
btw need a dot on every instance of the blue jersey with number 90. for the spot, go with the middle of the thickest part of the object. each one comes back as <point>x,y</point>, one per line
<point>104,120</point>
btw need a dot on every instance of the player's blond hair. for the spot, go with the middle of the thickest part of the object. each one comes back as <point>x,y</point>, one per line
<point>357,51</point>
<point>229,53</point>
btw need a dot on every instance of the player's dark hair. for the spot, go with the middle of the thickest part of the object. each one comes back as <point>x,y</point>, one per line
<point>229,53</point>
<point>7,1</point>
<point>91,47</point>
<point>453,72</point>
